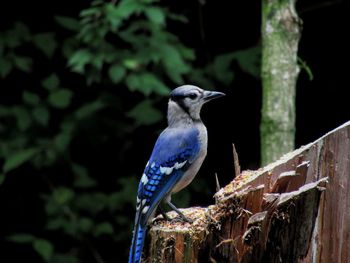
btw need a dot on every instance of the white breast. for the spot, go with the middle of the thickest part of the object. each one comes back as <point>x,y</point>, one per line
<point>193,169</point>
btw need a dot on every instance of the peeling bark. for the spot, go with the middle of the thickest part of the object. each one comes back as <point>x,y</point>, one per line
<point>275,214</point>
<point>279,72</point>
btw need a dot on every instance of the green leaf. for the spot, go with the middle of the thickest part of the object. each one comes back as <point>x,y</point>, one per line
<point>89,12</point>
<point>249,60</point>
<point>10,39</point>
<point>41,115</point>
<point>22,31</point>
<point>98,60</point>
<point>30,98</point>
<point>68,22</point>
<point>69,46</point>
<point>15,36</point>
<point>46,43</point>
<point>201,77</point>
<point>155,15</point>
<point>97,2</point>
<point>51,82</point>
<point>21,238</point>
<point>221,68</point>
<point>71,228</point>
<point>146,83</point>
<point>133,82</point>
<point>145,114</point>
<point>44,248</point>
<point>68,126</point>
<point>116,200</point>
<point>23,63</point>
<point>179,18</point>
<point>113,16</point>
<point>22,116</point>
<point>63,195</point>
<point>92,202</point>
<point>104,228</point>
<point>151,82</point>
<point>174,63</point>
<point>79,59</point>
<point>51,209</point>
<point>116,73</point>
<point>127,7</point>
<point>61,98</point>
<point>56,223</point>
<point>82,180</point>
<point>18,158</point>
<point>187,53</point>
<point>89,108</point>
<point>51,157</point>
<point>62,141</point>
<point>307,69</point>
<point>85,224</point>
<point>132,64</point>
<point>5,67</point>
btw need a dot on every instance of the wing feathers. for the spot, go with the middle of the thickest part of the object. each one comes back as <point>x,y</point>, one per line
<point>172,155</point>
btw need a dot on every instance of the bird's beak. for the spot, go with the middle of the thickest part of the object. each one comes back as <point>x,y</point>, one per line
<point>209,95</point>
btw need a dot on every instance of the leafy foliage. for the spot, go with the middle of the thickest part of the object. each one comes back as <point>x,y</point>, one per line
<point>121,62</point>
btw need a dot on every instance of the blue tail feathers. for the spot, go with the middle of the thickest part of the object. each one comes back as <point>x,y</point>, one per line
<point>135,253</point>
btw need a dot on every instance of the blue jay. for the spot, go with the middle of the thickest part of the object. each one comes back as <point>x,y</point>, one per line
<point>176,158</point>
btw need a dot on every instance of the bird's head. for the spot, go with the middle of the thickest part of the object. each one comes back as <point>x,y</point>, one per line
<point>186,102</point>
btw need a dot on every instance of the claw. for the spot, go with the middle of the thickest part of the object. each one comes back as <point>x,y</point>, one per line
<point>183,217</point>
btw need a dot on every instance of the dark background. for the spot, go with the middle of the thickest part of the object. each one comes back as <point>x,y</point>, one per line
<point>214,27</point>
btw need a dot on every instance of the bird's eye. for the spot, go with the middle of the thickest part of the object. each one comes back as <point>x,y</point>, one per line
<point>192,96</point>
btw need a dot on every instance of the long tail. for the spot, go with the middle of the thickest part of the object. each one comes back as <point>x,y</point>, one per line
<point>137,244</point>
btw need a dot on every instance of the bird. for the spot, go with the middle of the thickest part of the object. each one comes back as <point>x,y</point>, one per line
<point>175,160</point>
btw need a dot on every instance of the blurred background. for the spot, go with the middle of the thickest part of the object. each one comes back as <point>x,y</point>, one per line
<point>83,97</point>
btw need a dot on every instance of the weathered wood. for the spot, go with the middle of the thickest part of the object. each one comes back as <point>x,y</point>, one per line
<point>236,161</point>
<point>275,214</point>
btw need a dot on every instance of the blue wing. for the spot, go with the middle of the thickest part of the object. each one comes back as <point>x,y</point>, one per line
<point>173,153</point>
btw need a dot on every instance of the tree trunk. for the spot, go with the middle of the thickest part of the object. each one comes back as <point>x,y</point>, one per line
<point>279,72</point>
<point>275,214</point>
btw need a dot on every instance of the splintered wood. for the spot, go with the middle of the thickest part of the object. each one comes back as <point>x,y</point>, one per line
<point>275,214</point>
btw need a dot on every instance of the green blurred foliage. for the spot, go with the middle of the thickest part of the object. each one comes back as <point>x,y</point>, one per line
<point>117,50</point>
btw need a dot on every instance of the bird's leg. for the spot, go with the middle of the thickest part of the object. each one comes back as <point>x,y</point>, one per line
<point>184,218</point>
<point>163,213</point>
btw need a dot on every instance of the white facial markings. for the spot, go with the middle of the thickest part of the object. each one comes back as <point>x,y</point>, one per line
<point>197,92</point>
<point>144,179</point>
<point>145,209</point>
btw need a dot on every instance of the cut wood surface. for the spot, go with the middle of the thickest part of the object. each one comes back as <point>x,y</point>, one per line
<point>296,209</point>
